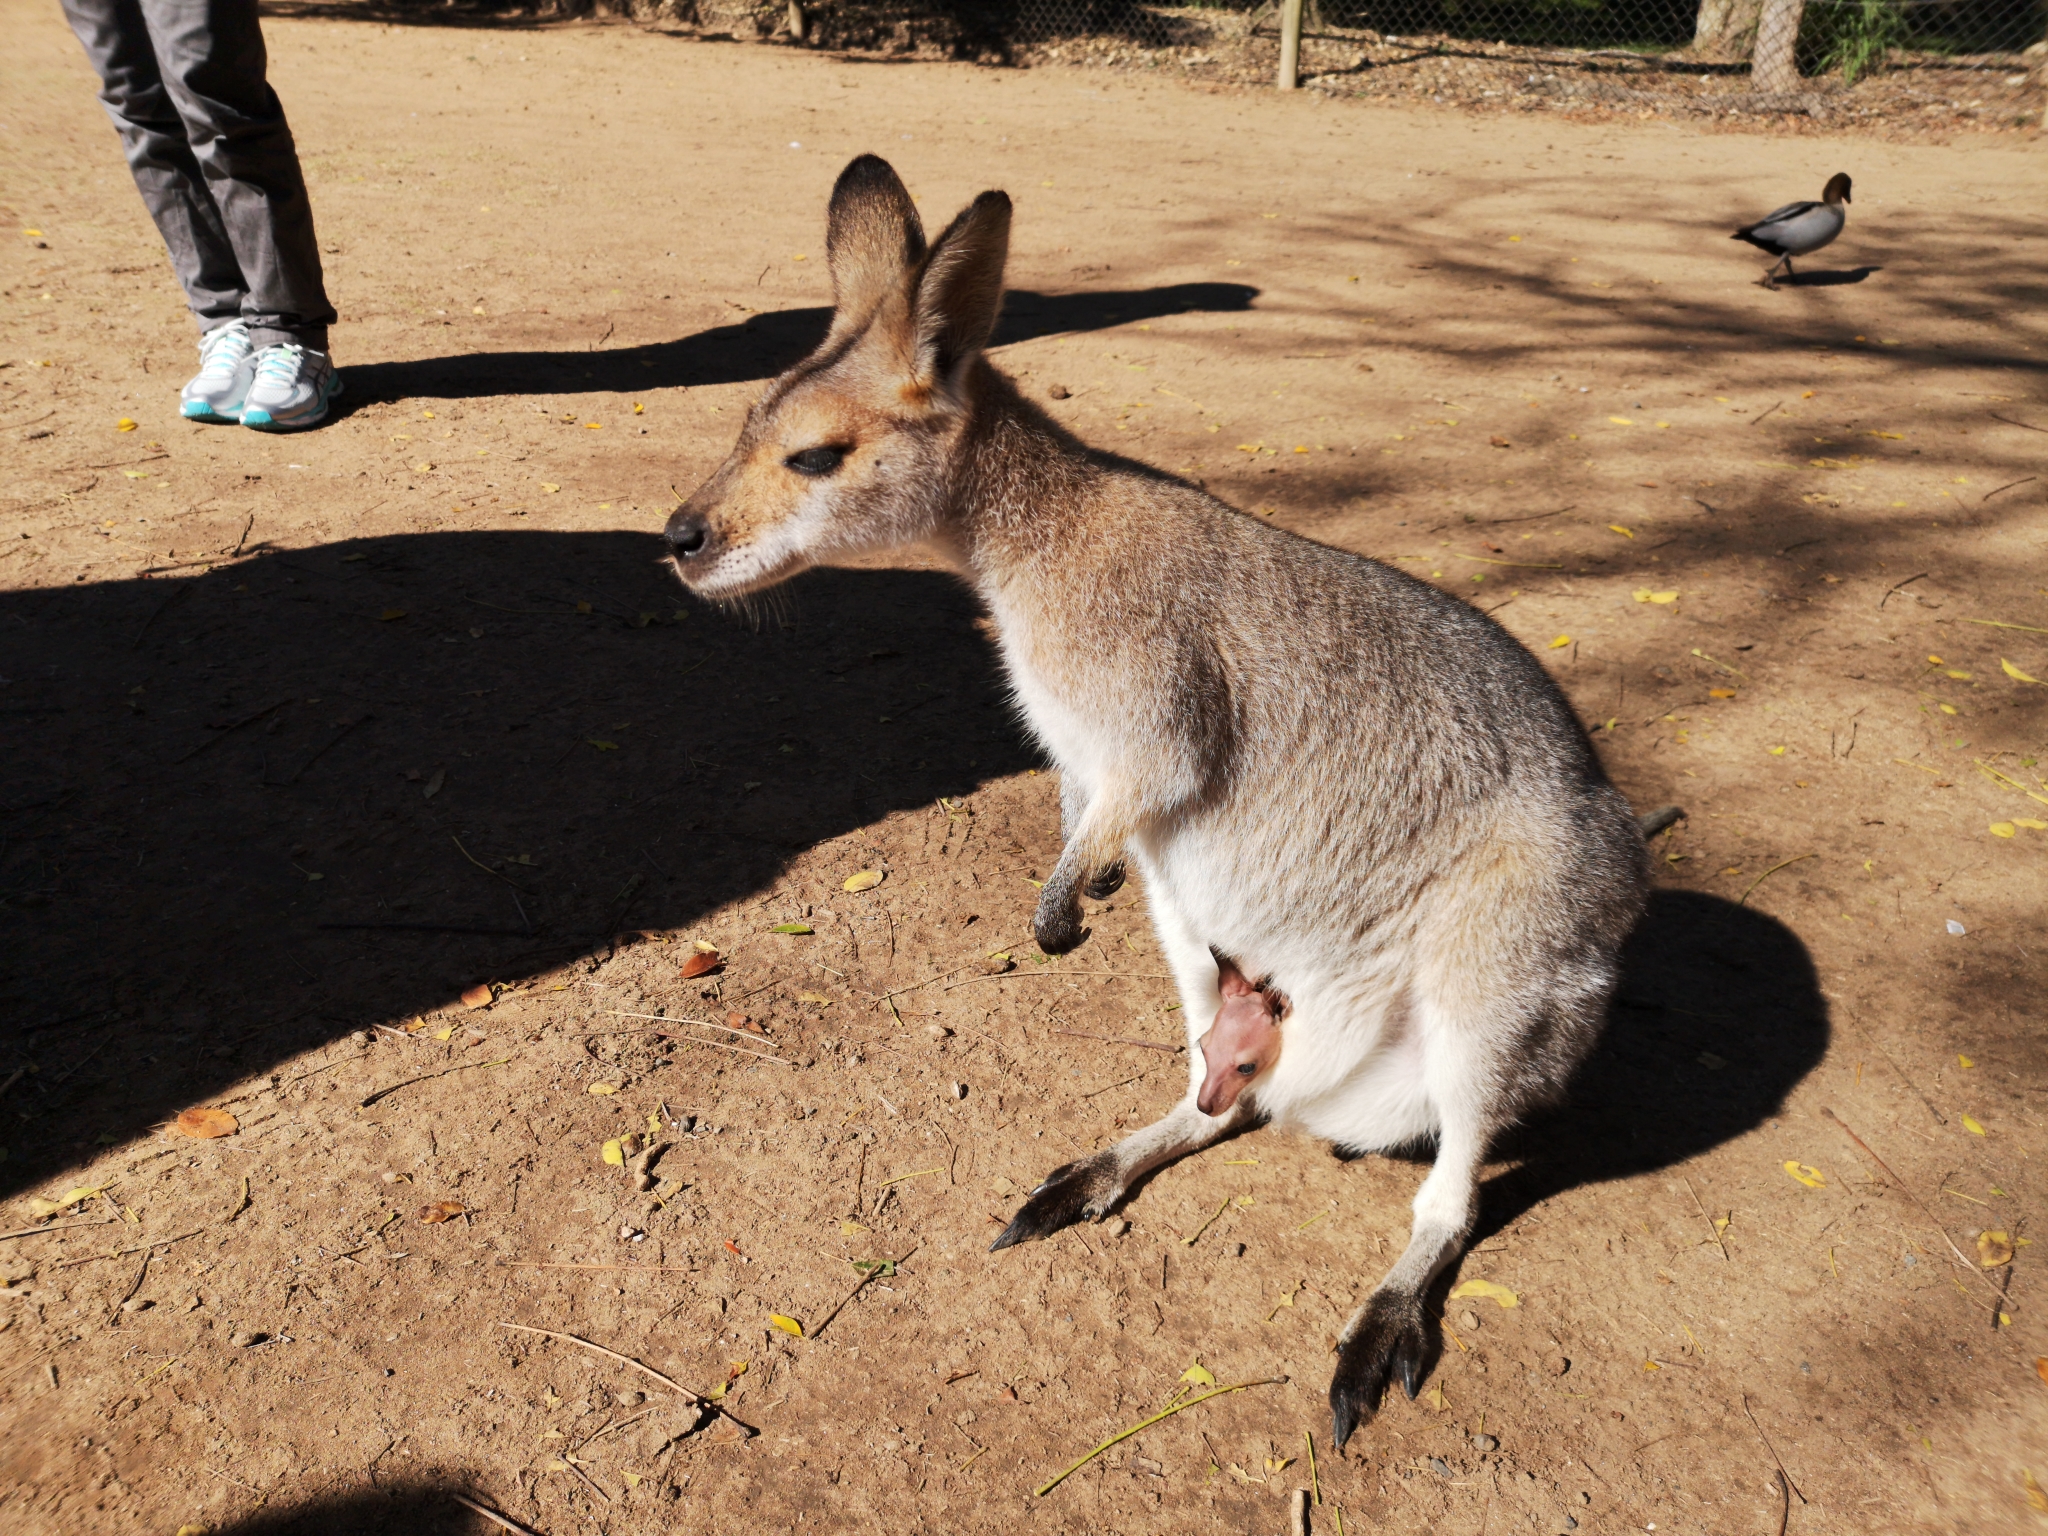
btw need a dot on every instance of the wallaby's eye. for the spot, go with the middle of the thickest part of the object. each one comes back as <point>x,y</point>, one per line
<point>1247,1068</point>
<point>816,461</point>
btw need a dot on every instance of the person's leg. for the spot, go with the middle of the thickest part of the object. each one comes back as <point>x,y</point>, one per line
<point>167,174</point>
<point>213,63</point>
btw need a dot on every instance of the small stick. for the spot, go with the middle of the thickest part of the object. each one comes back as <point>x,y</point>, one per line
<point>1760,879</point>
<point>1149,1045</point>
<point>1533,516</point>
<point>1104,1089</point>
<point>1314,1478</point>
<point>162,1242</point>
<point>717,1045</point>
<point>1043,1489</point>
<point>1041,975</point>
<point>104,1221</point>
<point>587,1478</point>
<point>1205,1226</point>
<point>665,1269</point>
<point>1766,413</point>
<point>1992,414</point>
<point>501,1521</point>
<point>1787,1476</point>
<point>229,730</point>
<point>1924,1209</point>
<point>1784,1501</point>
<point>1888,591</point>
<point>429,1077</point>
<point>864,1279</point>
<point>494,874</point>
<point>665,1019</point>
<point>1297,1513</point>
<point>610,1354</point>
<point>2006,487</point>
<point>1996,624</point>
<point>1709,1221</point>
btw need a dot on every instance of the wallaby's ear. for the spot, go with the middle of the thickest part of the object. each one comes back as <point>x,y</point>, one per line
<point>873,238</point>
<point>961,289</point>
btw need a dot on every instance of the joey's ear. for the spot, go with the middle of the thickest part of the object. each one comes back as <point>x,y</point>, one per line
<point>873,238</point>
<point>961,289</point>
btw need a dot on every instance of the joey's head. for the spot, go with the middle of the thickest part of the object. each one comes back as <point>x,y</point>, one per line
<point>1242,1043</point>
<point>854,449</point>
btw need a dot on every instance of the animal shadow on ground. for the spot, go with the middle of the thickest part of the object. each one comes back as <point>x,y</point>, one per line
<point>1838,278</point>
<point>1718,1017</point>
<point>759,347</point>
<point>247,812</point>
<point>395,1510</point>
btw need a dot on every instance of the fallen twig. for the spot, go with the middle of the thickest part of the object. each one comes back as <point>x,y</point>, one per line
<point>1044,1488</point>
<point>104,1221</point>
<point>122,1253</point>
<point>1995,417</point>
<point>861,1285</point>
<point>1760,879</point>
<point>429,1077</point>
<point>1094,1092</point>
<point>1888,591</point>
<point>1718,1238</point>
<point>676,1269</point>
<point>2029,480</point>
<point>1149,1045</point>
<point>610,1354</point>
<point>1925,1210</point>
<point>1997,624</point>
<point>501,1521</point>
<point>719,1045</point>
<point>1787,1476</point>
<point>229,730</point>
<point>663,1018</point>
<point>1754,420</point>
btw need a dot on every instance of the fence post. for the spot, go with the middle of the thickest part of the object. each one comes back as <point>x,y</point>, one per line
<point>1290,44</point>
<point>1774,63</point>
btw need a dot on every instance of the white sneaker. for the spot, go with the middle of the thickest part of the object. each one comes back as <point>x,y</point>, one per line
<point>292,388</point>
<point>227,365</point>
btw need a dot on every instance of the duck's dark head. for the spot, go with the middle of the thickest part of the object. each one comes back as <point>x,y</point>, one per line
<point>1837,189</point>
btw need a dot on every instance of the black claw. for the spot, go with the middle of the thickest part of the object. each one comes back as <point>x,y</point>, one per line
<point>1389,1344</point>
<point>1107,883</point>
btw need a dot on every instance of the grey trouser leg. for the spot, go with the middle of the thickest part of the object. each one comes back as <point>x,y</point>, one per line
<point>206,138</point>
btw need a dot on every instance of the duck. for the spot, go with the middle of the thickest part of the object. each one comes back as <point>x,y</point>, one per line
<point>1799,229</point>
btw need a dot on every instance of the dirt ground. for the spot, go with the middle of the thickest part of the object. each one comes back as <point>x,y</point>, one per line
<point>306,736</point>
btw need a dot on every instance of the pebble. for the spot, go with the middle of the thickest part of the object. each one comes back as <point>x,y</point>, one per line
<point>247,1339</point>
<point>1236,1250</point>
<point>959,1090</point>
<point>1060,392</point>
<point>630,1399</point>
<point>1469,1321</point>
<point>137,1304</point>
<point>1557,1365</point>
<point>938,1032</point>
<point>1439,1466</point>
<point>1485,1443</point>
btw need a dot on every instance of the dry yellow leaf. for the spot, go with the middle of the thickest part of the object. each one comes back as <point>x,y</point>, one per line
<point>206,1124</point>
<point>2003,829</point>
<point>2030,823</point>
<point>391,613</point>
<point>2035,1496</point>
<point>604,1088</point>
<point>1974,1126</point>
<point>1560,642</point>
<point>614,1153</point>
<point>865,880</point>
<point>1994,1249</point>
<point>41,1207</point>
<point>814,997</point>
<point>1626,533</point>
<point>477,997</point>
<point>1621,421</point>
<point>125,424</point>
<point>1811,1177</point>
<point>435,1211</point>
<point>1486,1290</point>
<point>2016,674</point>
<point>444,1032</point>
<point>848,1228</point>
<point>1645,595</point>
<point>1199,1374</point>
<point>1965,1062</point>
<point>788,1325</point>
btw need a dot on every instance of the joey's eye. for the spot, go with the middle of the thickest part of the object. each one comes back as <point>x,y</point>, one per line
<point>814,462</point>
<point>1247,1068</point>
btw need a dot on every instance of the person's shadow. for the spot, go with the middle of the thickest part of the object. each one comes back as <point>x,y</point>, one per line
<point>246,812</point>
<point>759,347</point>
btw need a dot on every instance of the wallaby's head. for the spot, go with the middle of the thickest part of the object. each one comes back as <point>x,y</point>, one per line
<point>853,448</point>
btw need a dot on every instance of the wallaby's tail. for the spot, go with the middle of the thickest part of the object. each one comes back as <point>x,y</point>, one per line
<point>1653,822</point>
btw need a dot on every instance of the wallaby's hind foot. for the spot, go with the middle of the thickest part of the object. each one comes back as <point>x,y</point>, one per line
<point>1079,1191</point>
<point>1057,926</point>
<point>1653,822</point>
<point>1385,1342</point>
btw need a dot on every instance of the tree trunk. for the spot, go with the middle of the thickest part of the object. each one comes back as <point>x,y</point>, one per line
<point>1290,45</point>
<point>1724,28</point>
<point>1774,64</point>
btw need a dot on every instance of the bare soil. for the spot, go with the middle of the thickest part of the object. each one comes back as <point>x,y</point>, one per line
<point>307,736</point>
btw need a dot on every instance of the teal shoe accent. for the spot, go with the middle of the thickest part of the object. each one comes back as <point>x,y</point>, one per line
<point>199,410</point>
<point>259,419</point>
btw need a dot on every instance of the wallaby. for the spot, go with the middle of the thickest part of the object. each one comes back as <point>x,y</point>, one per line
<point>1242,1043</point>
<point>1358,787</point>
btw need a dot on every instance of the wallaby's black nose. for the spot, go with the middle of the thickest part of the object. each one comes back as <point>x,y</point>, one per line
<point>687,536</point>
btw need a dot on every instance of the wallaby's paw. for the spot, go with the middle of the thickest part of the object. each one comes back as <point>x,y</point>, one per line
<point>1387,1343</point>
<point>1078,1192</point>
<point>1107,883</point>
<point>1057,926</point>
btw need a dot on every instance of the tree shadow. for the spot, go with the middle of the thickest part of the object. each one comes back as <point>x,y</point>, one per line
<point>249,811</point>
<point>415,1509</point>
<point>759,347</point>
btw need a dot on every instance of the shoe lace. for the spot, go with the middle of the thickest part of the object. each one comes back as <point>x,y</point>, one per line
<point>225,352</point>
<point>279,364</point>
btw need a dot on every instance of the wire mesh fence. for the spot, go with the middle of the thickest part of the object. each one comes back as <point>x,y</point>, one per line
<point>1941,62</point>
